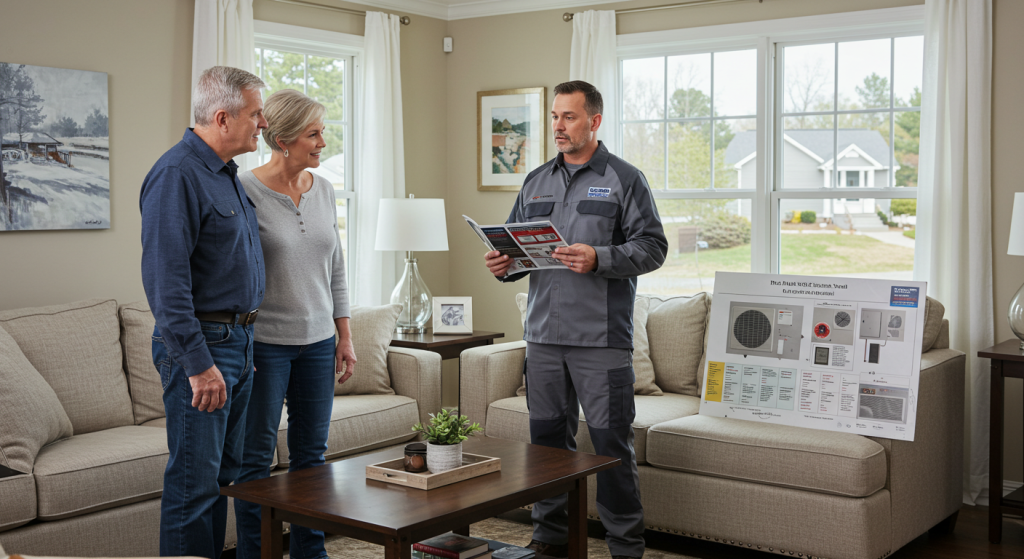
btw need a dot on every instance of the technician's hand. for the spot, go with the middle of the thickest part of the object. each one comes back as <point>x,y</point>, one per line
<point>345,359</point>
<point>497,263</point>
<point>209,392</point>
<point>580,258</point>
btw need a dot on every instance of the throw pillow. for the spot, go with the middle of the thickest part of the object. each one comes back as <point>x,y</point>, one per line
<point>933,311</point>
<point>147,392</point>
<point>371,335</point>
<point>677,327</point>
<point>76,347</point>
<point>643,369</point>
<point>30,413</point>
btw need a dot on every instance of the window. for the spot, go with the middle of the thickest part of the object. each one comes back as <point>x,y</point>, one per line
<point>323,65</point>
<point>774,149</point>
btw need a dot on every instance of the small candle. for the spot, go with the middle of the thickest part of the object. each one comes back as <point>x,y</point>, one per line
<point>416,457</point>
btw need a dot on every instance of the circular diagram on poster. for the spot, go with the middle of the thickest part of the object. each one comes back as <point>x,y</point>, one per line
<point>821,330</point>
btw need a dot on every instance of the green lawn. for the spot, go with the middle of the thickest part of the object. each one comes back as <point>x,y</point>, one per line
<point>910,233</point>
<point>801,254</point>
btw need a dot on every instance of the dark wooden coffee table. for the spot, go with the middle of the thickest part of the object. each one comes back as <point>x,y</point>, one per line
<point>338,499</point>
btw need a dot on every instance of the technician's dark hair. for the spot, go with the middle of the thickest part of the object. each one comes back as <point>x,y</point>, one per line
<point>594,104</point>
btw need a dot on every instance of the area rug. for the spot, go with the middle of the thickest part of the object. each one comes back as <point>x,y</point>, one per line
<point>500,529</point>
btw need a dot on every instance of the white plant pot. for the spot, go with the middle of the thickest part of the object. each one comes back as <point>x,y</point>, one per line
<point>443,457</point>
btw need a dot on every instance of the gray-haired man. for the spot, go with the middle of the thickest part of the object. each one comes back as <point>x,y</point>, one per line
<point>579,326</point>
<point>202,268</point>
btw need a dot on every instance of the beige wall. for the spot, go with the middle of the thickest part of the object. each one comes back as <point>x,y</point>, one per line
<point>1008,273</point>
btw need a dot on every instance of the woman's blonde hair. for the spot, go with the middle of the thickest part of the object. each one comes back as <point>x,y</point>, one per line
<point>288,113</point>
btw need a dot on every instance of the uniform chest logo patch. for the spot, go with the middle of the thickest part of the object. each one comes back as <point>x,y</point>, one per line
<point>595,192</point>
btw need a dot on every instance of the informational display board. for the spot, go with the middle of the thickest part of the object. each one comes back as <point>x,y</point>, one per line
<point>839,354</point>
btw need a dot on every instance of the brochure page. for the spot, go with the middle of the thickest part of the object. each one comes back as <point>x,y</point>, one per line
<point>839,354</point>
<point>529,244</point>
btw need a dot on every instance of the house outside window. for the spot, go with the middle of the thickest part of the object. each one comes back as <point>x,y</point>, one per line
<point>325,66</point>
<point>774,149</point>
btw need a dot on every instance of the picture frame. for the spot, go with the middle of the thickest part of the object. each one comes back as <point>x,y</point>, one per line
<point>453,315</point>
<point>511,136</point>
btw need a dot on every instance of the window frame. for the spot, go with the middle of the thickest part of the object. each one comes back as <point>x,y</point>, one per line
<point>769,38</point>
<point>317,42</point>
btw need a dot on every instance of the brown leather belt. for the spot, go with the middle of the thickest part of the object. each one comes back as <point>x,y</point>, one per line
<point>229,318</point>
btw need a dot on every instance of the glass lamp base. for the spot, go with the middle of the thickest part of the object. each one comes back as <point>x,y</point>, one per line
<point>1015,316</point>
<point>422,330</point>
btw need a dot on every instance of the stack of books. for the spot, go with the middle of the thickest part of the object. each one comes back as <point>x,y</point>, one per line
<point>451,546</point>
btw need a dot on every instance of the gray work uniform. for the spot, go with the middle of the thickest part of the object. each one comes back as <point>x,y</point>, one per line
<point>579,330</point>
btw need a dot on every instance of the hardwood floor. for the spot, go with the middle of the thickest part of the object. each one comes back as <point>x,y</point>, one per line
<point>968,541</point>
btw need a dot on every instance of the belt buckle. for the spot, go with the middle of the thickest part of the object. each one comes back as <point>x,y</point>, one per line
<point>251,317</point>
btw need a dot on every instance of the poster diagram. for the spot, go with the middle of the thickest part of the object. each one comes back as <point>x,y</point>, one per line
<point>839,354</point>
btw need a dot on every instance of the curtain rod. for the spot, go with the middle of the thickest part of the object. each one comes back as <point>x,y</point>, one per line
<point>567,16</point>
<point>404,19</point>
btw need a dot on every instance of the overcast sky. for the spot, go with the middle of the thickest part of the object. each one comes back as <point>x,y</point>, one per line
<point>73,93</point>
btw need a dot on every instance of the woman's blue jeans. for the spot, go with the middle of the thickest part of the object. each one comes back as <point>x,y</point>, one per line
<point>305,375</point>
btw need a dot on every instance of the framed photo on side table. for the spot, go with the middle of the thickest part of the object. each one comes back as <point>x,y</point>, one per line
<point>453,315</point>
<point>510,136</point>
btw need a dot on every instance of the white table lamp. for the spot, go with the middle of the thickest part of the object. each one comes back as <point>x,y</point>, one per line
<point>1016,248</point>
<point>411,224</point>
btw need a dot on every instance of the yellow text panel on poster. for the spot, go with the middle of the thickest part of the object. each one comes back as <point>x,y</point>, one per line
<point>713,388</point>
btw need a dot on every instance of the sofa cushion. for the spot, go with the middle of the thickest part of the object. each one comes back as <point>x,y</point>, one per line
<point>31,416</point>
<point>371,328</point>
<point>510,419</point>
<point>360,423</point>
<point>18,498</point>
<point>77,349</point>
<point>100,470</point>
<point>677,328</point>
<point>933,311</point>
<point>771,454</point>
<point>144,385</point>
<point>643,369</point>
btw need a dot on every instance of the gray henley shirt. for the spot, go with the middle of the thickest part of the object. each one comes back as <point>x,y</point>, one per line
<point>306,286</point>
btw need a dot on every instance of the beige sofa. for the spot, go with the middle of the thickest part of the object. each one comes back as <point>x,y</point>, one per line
<point>81,419</point>
<point>787,490</point>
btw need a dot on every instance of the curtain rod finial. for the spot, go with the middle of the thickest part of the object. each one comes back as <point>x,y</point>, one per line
<point>405,20</point>
<point>567,17</point>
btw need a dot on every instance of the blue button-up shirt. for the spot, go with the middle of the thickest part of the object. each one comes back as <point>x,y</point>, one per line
<point>200,246</point>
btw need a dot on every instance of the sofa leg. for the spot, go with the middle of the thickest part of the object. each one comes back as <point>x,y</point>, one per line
<point>946,526</point>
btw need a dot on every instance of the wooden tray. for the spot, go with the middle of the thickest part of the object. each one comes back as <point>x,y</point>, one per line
<point>392,471</point>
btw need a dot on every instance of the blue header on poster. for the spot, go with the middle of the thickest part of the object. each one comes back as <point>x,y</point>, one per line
<point>904,296</point>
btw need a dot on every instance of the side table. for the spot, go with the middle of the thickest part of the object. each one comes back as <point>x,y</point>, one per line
<point>1007,362</point>
<point>448,346</point>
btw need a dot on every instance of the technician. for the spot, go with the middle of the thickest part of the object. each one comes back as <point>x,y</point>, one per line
<point>579,326</point>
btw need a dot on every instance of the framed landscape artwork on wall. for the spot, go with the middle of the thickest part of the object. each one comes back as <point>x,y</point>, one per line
<point>510,136</point>
<point>54,149</point>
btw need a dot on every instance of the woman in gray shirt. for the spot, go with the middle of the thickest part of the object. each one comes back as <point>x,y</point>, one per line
<point>306,299</point>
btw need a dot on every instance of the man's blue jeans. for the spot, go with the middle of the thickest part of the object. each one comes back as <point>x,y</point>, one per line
<point>205,447</point>
<point>305,375</point>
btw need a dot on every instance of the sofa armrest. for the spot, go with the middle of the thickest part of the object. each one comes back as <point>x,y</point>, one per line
<point>417,374</point>
<point>489,373</point>
<point>926,476</point>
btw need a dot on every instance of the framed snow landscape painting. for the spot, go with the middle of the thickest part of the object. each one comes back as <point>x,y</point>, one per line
<point>511,133</point>
<point>54,149</point>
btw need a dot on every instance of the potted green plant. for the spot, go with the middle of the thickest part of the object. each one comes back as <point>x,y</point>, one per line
<point>444,435</point>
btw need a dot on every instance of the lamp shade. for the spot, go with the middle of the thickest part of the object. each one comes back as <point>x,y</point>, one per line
<point>411,224</point>
<point>1016,246</point>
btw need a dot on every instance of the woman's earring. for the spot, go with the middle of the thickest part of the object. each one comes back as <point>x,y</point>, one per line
<point>286,153</point>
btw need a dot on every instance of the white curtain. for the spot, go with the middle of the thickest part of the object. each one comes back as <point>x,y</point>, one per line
<point>382,163</point>
<point>592,59</point>
<point>222,36</point>
<point>954,246</point>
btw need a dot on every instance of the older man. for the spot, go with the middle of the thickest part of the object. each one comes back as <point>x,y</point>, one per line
<point>202,268</point>
<point>579,326</point>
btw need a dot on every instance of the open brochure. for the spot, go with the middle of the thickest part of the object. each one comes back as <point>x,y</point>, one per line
<point>529,244</point>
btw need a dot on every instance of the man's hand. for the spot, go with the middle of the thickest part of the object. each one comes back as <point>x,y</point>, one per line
<point>497,263</point>
<point>345,359</point>
<point>580,258</point>
<point>209,392</point>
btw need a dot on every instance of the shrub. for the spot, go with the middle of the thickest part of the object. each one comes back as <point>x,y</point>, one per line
<point>903,207</point>
<point>725,231</point>
<point>808,216</point>
<point>796,217</point>
<point>883,217</point>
